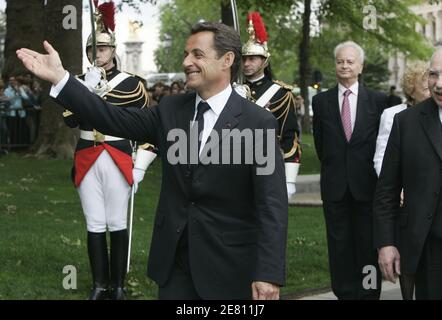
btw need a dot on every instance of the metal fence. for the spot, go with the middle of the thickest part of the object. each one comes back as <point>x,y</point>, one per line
<point>18,127</point>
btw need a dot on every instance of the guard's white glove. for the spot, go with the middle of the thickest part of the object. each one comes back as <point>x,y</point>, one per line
<point>291,189</point>
<point>92,77</point>
<point>240,89</point>
<point>291,173</point>
<point>138,176</point>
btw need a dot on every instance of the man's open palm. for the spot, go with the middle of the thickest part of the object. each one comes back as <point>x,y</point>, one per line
<point>45,66</point>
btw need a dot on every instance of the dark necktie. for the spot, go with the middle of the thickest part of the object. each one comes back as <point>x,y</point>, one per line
<point>201,109</point>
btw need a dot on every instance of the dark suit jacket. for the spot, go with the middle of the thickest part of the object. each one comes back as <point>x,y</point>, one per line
<point>412,161</point>
<point>236,219</point>
<point>347,164</point>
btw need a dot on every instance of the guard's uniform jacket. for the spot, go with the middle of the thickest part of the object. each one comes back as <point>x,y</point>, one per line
<point>282,105</point>
<point>128,93</point>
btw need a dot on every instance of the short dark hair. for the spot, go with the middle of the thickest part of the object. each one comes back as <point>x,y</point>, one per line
<point>179,83</point>
<point>225,39</point>
<point>268,71</point>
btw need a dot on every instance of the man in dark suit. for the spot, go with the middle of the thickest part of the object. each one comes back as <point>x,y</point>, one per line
<point>220,229</point>
<point>409,237</point>
<point>345,125</point>
<point>393,99</point>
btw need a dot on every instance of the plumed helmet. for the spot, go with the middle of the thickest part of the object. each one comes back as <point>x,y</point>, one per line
<point>257,43</point>
<point>105,22</point>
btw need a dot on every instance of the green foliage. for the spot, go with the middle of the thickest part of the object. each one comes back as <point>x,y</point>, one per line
<point>344,20</point>
<point>283,24</point>
<point>2,21</point>
<point>177,18</point>
<point>338,20</point>
<point>43,230</point>
<point>394,27</point>
<point>134,3</point>
<point>376,74</point>
<point>309,160</point>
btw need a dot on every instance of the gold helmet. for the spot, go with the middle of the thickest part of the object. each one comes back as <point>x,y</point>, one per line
<point>105,22</point>
<point>103,39</point>
<point>257,43</point>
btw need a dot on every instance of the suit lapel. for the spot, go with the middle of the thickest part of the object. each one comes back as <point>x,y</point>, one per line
<point>361,112</point>
<point>429,118</point>
<point>333,102</point>
<point>184,115</point>
<point>228,119</point>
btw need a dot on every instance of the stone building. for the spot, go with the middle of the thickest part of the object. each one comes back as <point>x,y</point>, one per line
<point>432,30</point>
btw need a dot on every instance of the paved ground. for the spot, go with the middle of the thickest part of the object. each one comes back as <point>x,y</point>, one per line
<point>390,291</point>
<point>306,200</point>
<point>307,191</point>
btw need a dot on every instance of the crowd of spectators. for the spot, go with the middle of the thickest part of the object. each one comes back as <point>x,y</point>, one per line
<point>20,105</point>
<point>160,89</point>
<point>20,101</point>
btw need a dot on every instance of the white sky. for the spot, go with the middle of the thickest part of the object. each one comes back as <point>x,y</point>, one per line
<point>149,33</point>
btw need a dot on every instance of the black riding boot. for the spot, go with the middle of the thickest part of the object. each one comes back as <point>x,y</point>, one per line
<point>119,248</point>
<point>98,257</point>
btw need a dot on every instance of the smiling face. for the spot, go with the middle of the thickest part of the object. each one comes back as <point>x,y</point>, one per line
<point>348,65</point>
<point>206,73</point>
<point>421,91</point>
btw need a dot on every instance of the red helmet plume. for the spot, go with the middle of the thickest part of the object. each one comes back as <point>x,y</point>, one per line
<point>107,10</point>
<point>258,25</point>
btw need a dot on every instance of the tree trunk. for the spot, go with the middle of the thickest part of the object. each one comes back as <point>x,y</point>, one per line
<point>28,24</point>
<point>24,20</point>
<point>304,65</point>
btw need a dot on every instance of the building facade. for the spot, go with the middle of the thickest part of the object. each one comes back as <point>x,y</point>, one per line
<point>432,30</point>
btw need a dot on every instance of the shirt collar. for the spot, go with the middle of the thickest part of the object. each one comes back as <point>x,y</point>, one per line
<point>353,88</point>
<point>218,101</point>
<point>111,71</point>
<point>257,79</point>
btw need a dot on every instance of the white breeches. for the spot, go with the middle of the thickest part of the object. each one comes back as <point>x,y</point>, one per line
<point>104,195</point>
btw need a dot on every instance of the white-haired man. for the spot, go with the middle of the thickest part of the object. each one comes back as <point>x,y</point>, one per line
<point>345,125</point>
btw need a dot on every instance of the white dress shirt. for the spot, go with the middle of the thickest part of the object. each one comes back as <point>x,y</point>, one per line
<point>385,126</point>
<point>217,104</point>
<point>440,114</point>
<point>56,89</point>
<point>353,99</point>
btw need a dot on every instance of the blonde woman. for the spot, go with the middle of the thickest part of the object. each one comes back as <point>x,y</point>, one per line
<point>415,87</point>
